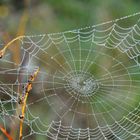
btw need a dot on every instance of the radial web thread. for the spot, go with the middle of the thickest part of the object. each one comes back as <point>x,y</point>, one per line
<point>88,86</point>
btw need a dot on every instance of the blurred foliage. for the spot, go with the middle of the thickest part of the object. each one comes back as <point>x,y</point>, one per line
<point>18,17</point>
<point>46,16</point>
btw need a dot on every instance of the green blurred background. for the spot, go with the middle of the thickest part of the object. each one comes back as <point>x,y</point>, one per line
<point>33,17</point>
<point>47,16</point>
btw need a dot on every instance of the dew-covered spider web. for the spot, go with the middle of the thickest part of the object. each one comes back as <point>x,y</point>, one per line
<point>88,86</point>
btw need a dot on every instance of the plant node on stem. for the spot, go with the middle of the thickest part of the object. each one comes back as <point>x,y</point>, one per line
<point>28,88</point>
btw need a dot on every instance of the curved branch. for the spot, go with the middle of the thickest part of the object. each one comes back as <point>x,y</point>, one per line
<point>2,52</point>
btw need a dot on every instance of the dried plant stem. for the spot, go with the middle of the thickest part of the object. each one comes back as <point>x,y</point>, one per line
<point>27,90</point>
<point>16,58</point>
<point>22,116</point>
<point>2,52</point>
<point>5,133</point>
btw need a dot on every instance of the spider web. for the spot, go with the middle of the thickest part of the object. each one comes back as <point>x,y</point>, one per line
<point>87,87</point>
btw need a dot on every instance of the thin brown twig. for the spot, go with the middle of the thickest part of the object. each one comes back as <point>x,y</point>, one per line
<point>5,133</point>
<point>2,52</point>
<point>17,56</point>
<point>20,34</point>
<point>28,87</point>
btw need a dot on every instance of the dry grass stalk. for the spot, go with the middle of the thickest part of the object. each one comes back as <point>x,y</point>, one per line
<point>5,133</point>
<point>28,88</point>
<point>2,52</point>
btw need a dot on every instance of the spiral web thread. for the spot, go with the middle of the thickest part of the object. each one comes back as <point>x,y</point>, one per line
<point>88,86</point>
